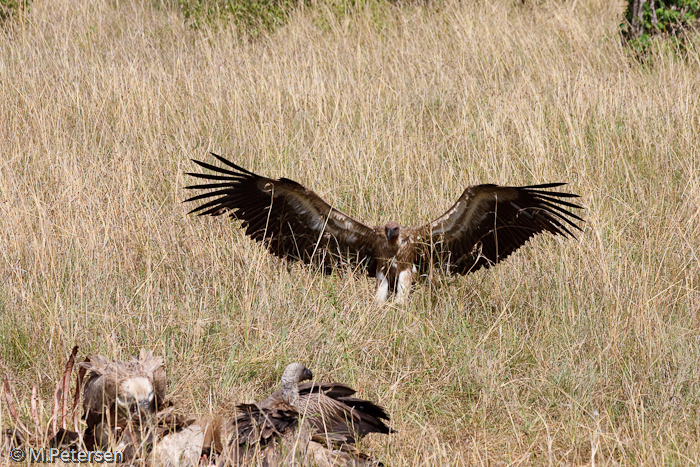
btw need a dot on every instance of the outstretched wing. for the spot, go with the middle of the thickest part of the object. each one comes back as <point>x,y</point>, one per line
<point>331,411</point>
<point>490,222</point>
<point>337,416</point>
<point>292,221</point>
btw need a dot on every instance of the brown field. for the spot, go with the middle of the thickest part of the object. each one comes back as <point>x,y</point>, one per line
<point>573,352</point>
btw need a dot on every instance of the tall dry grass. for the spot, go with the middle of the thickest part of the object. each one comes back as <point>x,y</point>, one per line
<point>572,352</point>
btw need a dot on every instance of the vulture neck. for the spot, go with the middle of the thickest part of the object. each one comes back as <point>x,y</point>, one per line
<point>290,391</point>
<point>392,245</point>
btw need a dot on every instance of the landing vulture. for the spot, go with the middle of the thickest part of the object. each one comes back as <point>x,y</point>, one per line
<point>484,226</point>
<point>118,393</point>
<point>310,422</point>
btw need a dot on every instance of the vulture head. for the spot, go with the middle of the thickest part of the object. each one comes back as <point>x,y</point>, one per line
<point>129,390</point>
<point>136,396</point>
<point>294,374</point>
<point>391,230</point>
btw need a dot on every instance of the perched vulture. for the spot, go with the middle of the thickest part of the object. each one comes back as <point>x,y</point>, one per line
<point>310,422</point>
<point>484,226</point>
<point>116,394</point>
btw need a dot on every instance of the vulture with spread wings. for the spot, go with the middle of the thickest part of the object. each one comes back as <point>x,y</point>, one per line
<point>484,226</point>
<point>312,423</point>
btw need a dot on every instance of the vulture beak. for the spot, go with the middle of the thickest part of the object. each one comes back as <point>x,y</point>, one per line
<point>391,230</point>
<point>307,374</point>
<point>147,406</point>
<point>142,410</point>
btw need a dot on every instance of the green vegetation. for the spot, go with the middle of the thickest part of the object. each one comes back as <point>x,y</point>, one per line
<point>254,17</point>
<point>669,19</point>
<point>251,16</point>
<point>10,9</point>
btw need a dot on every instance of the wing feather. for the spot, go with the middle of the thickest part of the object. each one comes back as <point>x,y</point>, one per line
<point>489,222</point>
<point>256,430</point>
<point>326,413</point>
<point>292,221</point>
<point>332,412</point>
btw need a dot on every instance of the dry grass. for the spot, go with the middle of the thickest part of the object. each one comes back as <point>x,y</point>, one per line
<point>571,353</point>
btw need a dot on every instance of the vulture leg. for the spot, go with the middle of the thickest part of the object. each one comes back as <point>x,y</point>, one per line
<point>382,288</point>
<point>404,285</point>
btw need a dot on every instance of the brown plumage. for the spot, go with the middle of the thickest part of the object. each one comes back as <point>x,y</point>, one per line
<point>303,422</point>
<point>484,226</point>
<point>118,393</point>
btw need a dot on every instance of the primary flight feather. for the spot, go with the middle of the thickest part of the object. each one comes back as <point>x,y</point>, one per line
<point>485,225</point>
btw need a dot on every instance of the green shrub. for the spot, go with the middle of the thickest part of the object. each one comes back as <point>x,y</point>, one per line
<point>646,19</point>
<point>10,9</point>
<point>255,16</point>
<point>251,16</point>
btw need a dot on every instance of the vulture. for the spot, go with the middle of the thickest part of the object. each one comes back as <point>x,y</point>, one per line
<point>485,225</point>
<point>311,423</point>
<point>117,395</point>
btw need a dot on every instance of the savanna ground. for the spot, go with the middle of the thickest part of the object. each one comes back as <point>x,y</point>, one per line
<point>572,352</point>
